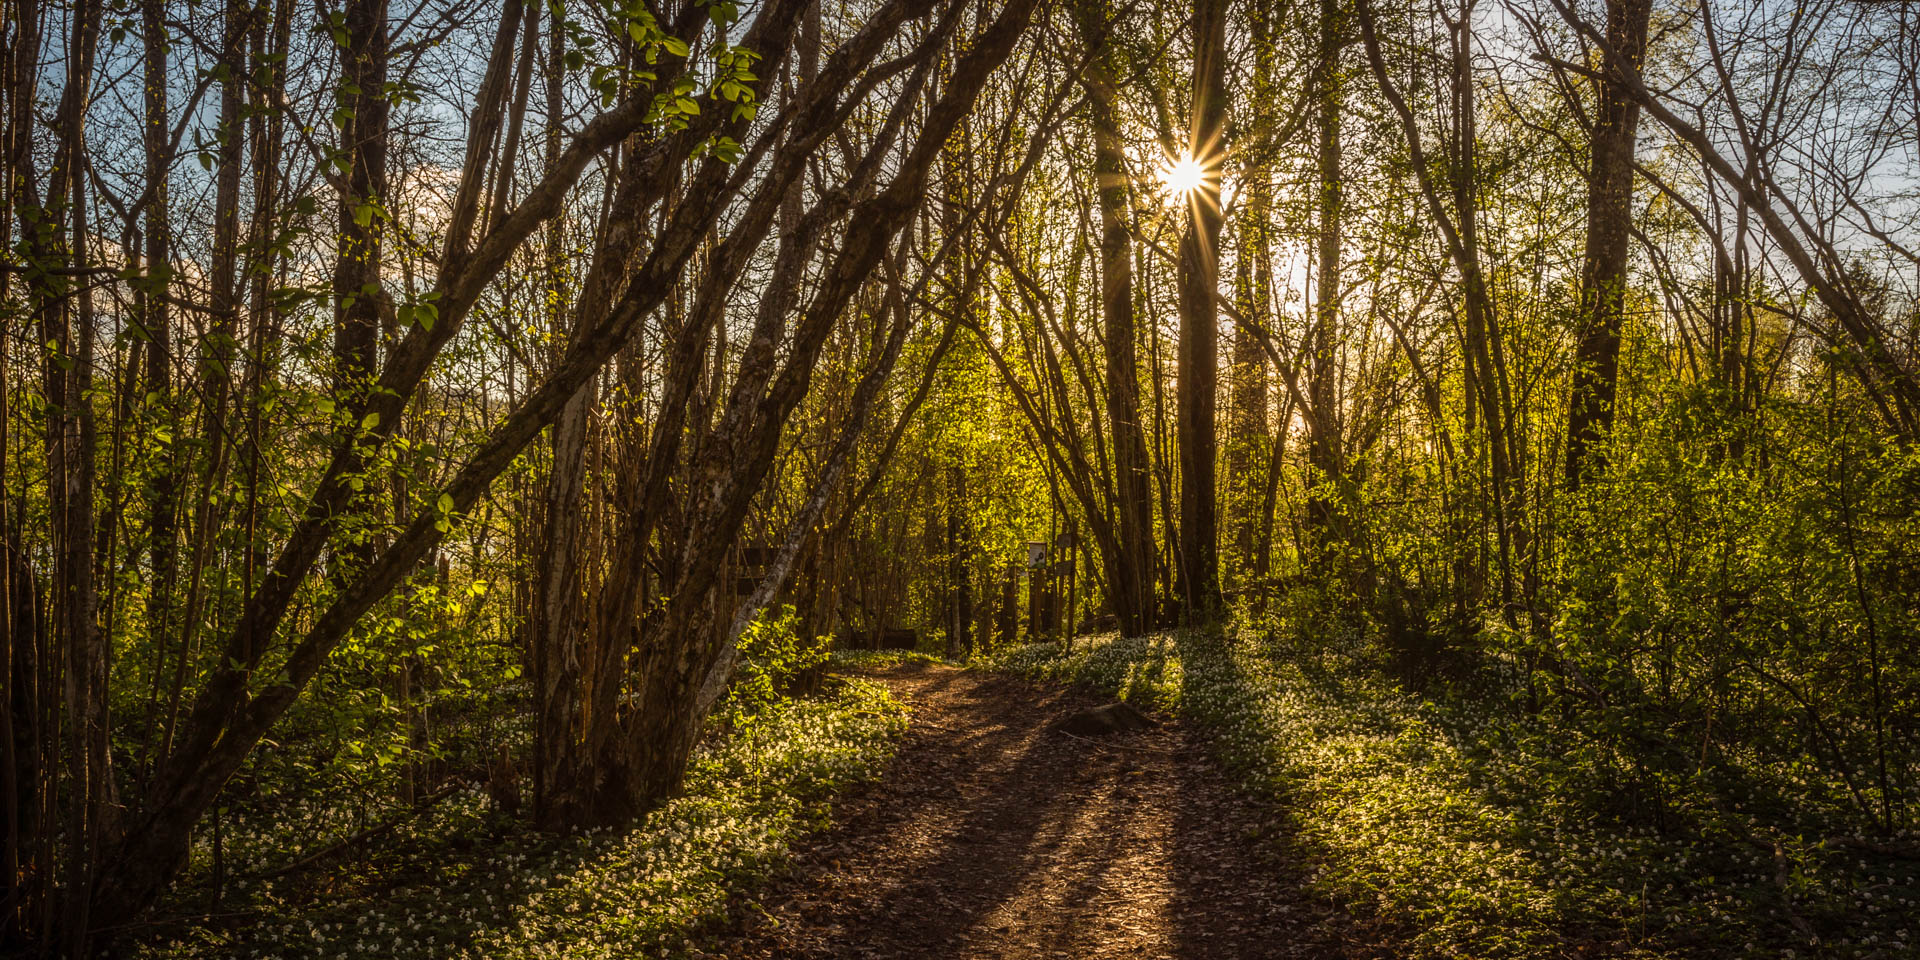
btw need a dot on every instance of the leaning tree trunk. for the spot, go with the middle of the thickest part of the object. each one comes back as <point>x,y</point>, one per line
<point>679,654</point>
<point>229,718</point>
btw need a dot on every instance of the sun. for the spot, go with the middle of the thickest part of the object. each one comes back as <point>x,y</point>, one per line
<point>1182,175</point>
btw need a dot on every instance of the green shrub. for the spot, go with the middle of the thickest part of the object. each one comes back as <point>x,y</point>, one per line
<point>773,658</point>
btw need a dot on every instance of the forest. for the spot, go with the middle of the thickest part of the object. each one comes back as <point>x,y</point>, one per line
<point>960,478</point>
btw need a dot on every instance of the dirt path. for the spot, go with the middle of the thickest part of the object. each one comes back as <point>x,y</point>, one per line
<point>992,836</point>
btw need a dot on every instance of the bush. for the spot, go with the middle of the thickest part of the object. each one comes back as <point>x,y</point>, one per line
<point>774,661</point>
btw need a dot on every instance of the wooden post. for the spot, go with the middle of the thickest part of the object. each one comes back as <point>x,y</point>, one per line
<point>1009,606</point>
<point>1066,544</point>
<point>1036,588</point>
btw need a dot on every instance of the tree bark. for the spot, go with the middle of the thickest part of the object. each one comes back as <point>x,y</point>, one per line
<point>357,287</point>
<point>1199,361</point>
<point>1132,577</point>
<point>1603,270</point>
<point>22,640</point>
<point>1324,442</point>
<point>1253,282</point>
<point>158,329</point>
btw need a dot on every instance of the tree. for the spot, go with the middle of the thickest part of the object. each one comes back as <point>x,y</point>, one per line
<point>1132,570</point>
<point>1199,318</point>
<point>1603,271</point>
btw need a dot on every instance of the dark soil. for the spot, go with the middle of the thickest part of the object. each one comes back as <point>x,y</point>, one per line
<point>993,836</point>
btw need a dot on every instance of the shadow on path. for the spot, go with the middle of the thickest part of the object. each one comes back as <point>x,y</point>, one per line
<point>993,836</point>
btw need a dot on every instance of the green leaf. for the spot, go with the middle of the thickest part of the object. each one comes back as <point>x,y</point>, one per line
<point>446,503</point>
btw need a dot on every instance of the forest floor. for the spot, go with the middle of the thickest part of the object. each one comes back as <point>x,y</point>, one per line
<point>992,835</point>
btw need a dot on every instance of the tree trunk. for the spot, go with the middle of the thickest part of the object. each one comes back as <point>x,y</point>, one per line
<point>1323,445</point>
<point>1603,271</point>
<point>22,636</point>
<point>357,288</point>
<point>1253,289</point>
<point>57,236</point>
<point>217,356</point>
<point>157,321</point>
<point>1484,355</point>
<point>1132,585</point>
<point>1200,322</point>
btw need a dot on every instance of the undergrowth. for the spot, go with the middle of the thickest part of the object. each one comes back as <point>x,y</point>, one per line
<point>1477,829</point>
<point>876,659</point>
<point>457,885</point>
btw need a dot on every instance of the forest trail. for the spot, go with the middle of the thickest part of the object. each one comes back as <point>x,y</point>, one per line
<point>993,836</point>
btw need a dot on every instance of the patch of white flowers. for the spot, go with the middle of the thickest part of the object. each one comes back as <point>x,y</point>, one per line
<point>600,894</point>
<point>1439,817</point>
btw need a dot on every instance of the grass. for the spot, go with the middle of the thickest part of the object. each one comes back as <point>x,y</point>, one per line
<point>448,887</point>
<point>880,659</point>
<point>1480,831</point>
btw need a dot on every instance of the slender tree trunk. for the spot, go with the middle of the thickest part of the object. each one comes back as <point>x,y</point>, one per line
<point>505,164</point>
<point>357,287</point>
<point>21,641</point>
<point>1253,277</point>
<point>1323,444</point>
<point>158,324</point>
<point>546,636</point>
<point>1200,322</point>
<point>1484,355</point>
<point>1256,463</point>
<point>217,357</point>
<point>959,569</point>
<point>1133,573</point>
<point>91,777</point>
<point>1483,320</point>
<point>1603,271</point>
<point>59,238</point>
<point>270,42</point>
